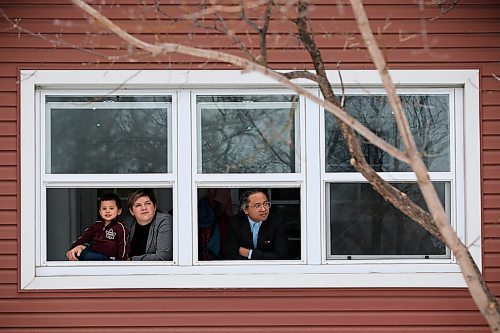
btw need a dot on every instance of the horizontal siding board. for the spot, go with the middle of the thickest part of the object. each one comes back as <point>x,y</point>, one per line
<point>7,83</point>
<point>492,186</point>
<point>7,128</point>
<point>491,201</point>
<point>491,112</point>
<point>492,172</point>
<point>8,113</point>
<point>222,304</point>
<point>491,127</point>
<point>491,142</point>
<point>492,260</point>
<point>7,143</point>
<point>8,217</point>
<point>281,329</point>
<point>8,158</point>
<point>400,41</point>
<point>8,246</point>
<point>8,187</point>
<point>6,69</point>
<point>492,274</point>
<point>490,70</point>
<point>8,261</point>
<point>134,319</point>
<point>490,82</point>
<point>491,245</point>
<point>8,173</point>
<point>316,2</point>
<point>397,11</point>
<point>7,98</point>
<point>492,215</point>
<point>298,56</point>
<point>491,97</point>
<point>7,276</point>
<point>8,202</point>
<point>491,157</point>
<point>8,232</point>
<point>286,329</point>
<point>134,26</point>
<point>455,296</point>
<point>8,290</point>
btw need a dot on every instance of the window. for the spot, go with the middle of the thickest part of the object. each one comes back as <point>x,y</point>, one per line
<point>361,224</point>
<point>107,134</point>
<point>248,133</point>
<point>242,137</point>
<point>200,148</point>
<point>91,138</point>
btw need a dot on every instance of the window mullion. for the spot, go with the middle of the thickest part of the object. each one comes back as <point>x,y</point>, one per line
<point>185,192</point>
<point>312,188</point>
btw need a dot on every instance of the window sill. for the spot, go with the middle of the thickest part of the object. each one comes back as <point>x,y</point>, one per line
<point>268,275</point>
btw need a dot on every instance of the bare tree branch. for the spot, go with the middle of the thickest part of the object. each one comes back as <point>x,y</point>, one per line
<point>247,66</point>
<point>484,299</point>
<point>397,198</point>
<point>212,9</point>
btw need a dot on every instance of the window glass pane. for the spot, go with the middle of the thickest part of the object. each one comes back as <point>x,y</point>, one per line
<point>217,207</point>
<point>71,210</point>
<point>363,223</point>
<point>248,134</point>
<point>107,134</point>
<point>429,119</point>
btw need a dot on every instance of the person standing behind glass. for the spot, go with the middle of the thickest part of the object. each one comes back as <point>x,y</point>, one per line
<point>252,234</point>
<point>151,230</point>
<point>106,239</point>
<point>150,235</point>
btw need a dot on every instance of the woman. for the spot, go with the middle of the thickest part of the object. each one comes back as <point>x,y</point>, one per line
<point>150,232</point>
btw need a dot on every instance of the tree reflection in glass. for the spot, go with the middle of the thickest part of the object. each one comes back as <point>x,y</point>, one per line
<point>111,134</point>
<point>248,134</point>
<point>429,120</point>
<point>363,223</point>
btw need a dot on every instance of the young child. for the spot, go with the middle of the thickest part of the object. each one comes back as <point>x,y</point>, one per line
<point>106,239</point>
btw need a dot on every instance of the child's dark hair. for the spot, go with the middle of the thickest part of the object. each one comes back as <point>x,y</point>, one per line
<point>111,197</point>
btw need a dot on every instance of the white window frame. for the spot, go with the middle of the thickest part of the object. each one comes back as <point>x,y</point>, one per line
<point>184,271</point>
<point>248,180</point>
<point>453,178</point>
<point>50,180</point>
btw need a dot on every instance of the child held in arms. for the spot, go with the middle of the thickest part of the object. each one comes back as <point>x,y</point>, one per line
<point>106,239</point>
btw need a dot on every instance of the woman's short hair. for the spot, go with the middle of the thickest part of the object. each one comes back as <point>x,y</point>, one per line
<point>139,193</point>
<point>246,194</point>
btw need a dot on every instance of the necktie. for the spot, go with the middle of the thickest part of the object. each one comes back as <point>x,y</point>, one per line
<point>255,234</point>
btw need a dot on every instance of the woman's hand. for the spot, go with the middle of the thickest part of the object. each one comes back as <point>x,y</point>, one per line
<point>75,252</point>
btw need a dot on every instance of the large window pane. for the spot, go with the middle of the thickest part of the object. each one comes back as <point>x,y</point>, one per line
<point>107,134</point>
<point>429,120</point>
<point>71,210</point>
<point>363,223</point>
<point>248,134</point>
<point>216,206</point>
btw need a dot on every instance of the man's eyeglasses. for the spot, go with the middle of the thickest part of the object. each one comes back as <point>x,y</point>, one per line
<point>266,205</point>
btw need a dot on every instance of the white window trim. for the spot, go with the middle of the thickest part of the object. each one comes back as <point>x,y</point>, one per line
<point>451,177</point>
<point>184,274</point>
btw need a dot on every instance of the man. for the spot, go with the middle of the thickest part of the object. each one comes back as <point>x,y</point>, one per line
<point>252,234</point>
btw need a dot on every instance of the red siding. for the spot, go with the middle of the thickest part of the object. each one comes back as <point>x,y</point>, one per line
<point>466,37</point>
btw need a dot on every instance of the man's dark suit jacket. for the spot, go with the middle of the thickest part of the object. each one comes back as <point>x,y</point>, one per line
<point>271,243</point>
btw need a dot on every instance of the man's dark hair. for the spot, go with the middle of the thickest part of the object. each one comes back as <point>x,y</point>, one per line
<point>110,197</point>
<point>246,194</point>
<point>139,193</point>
